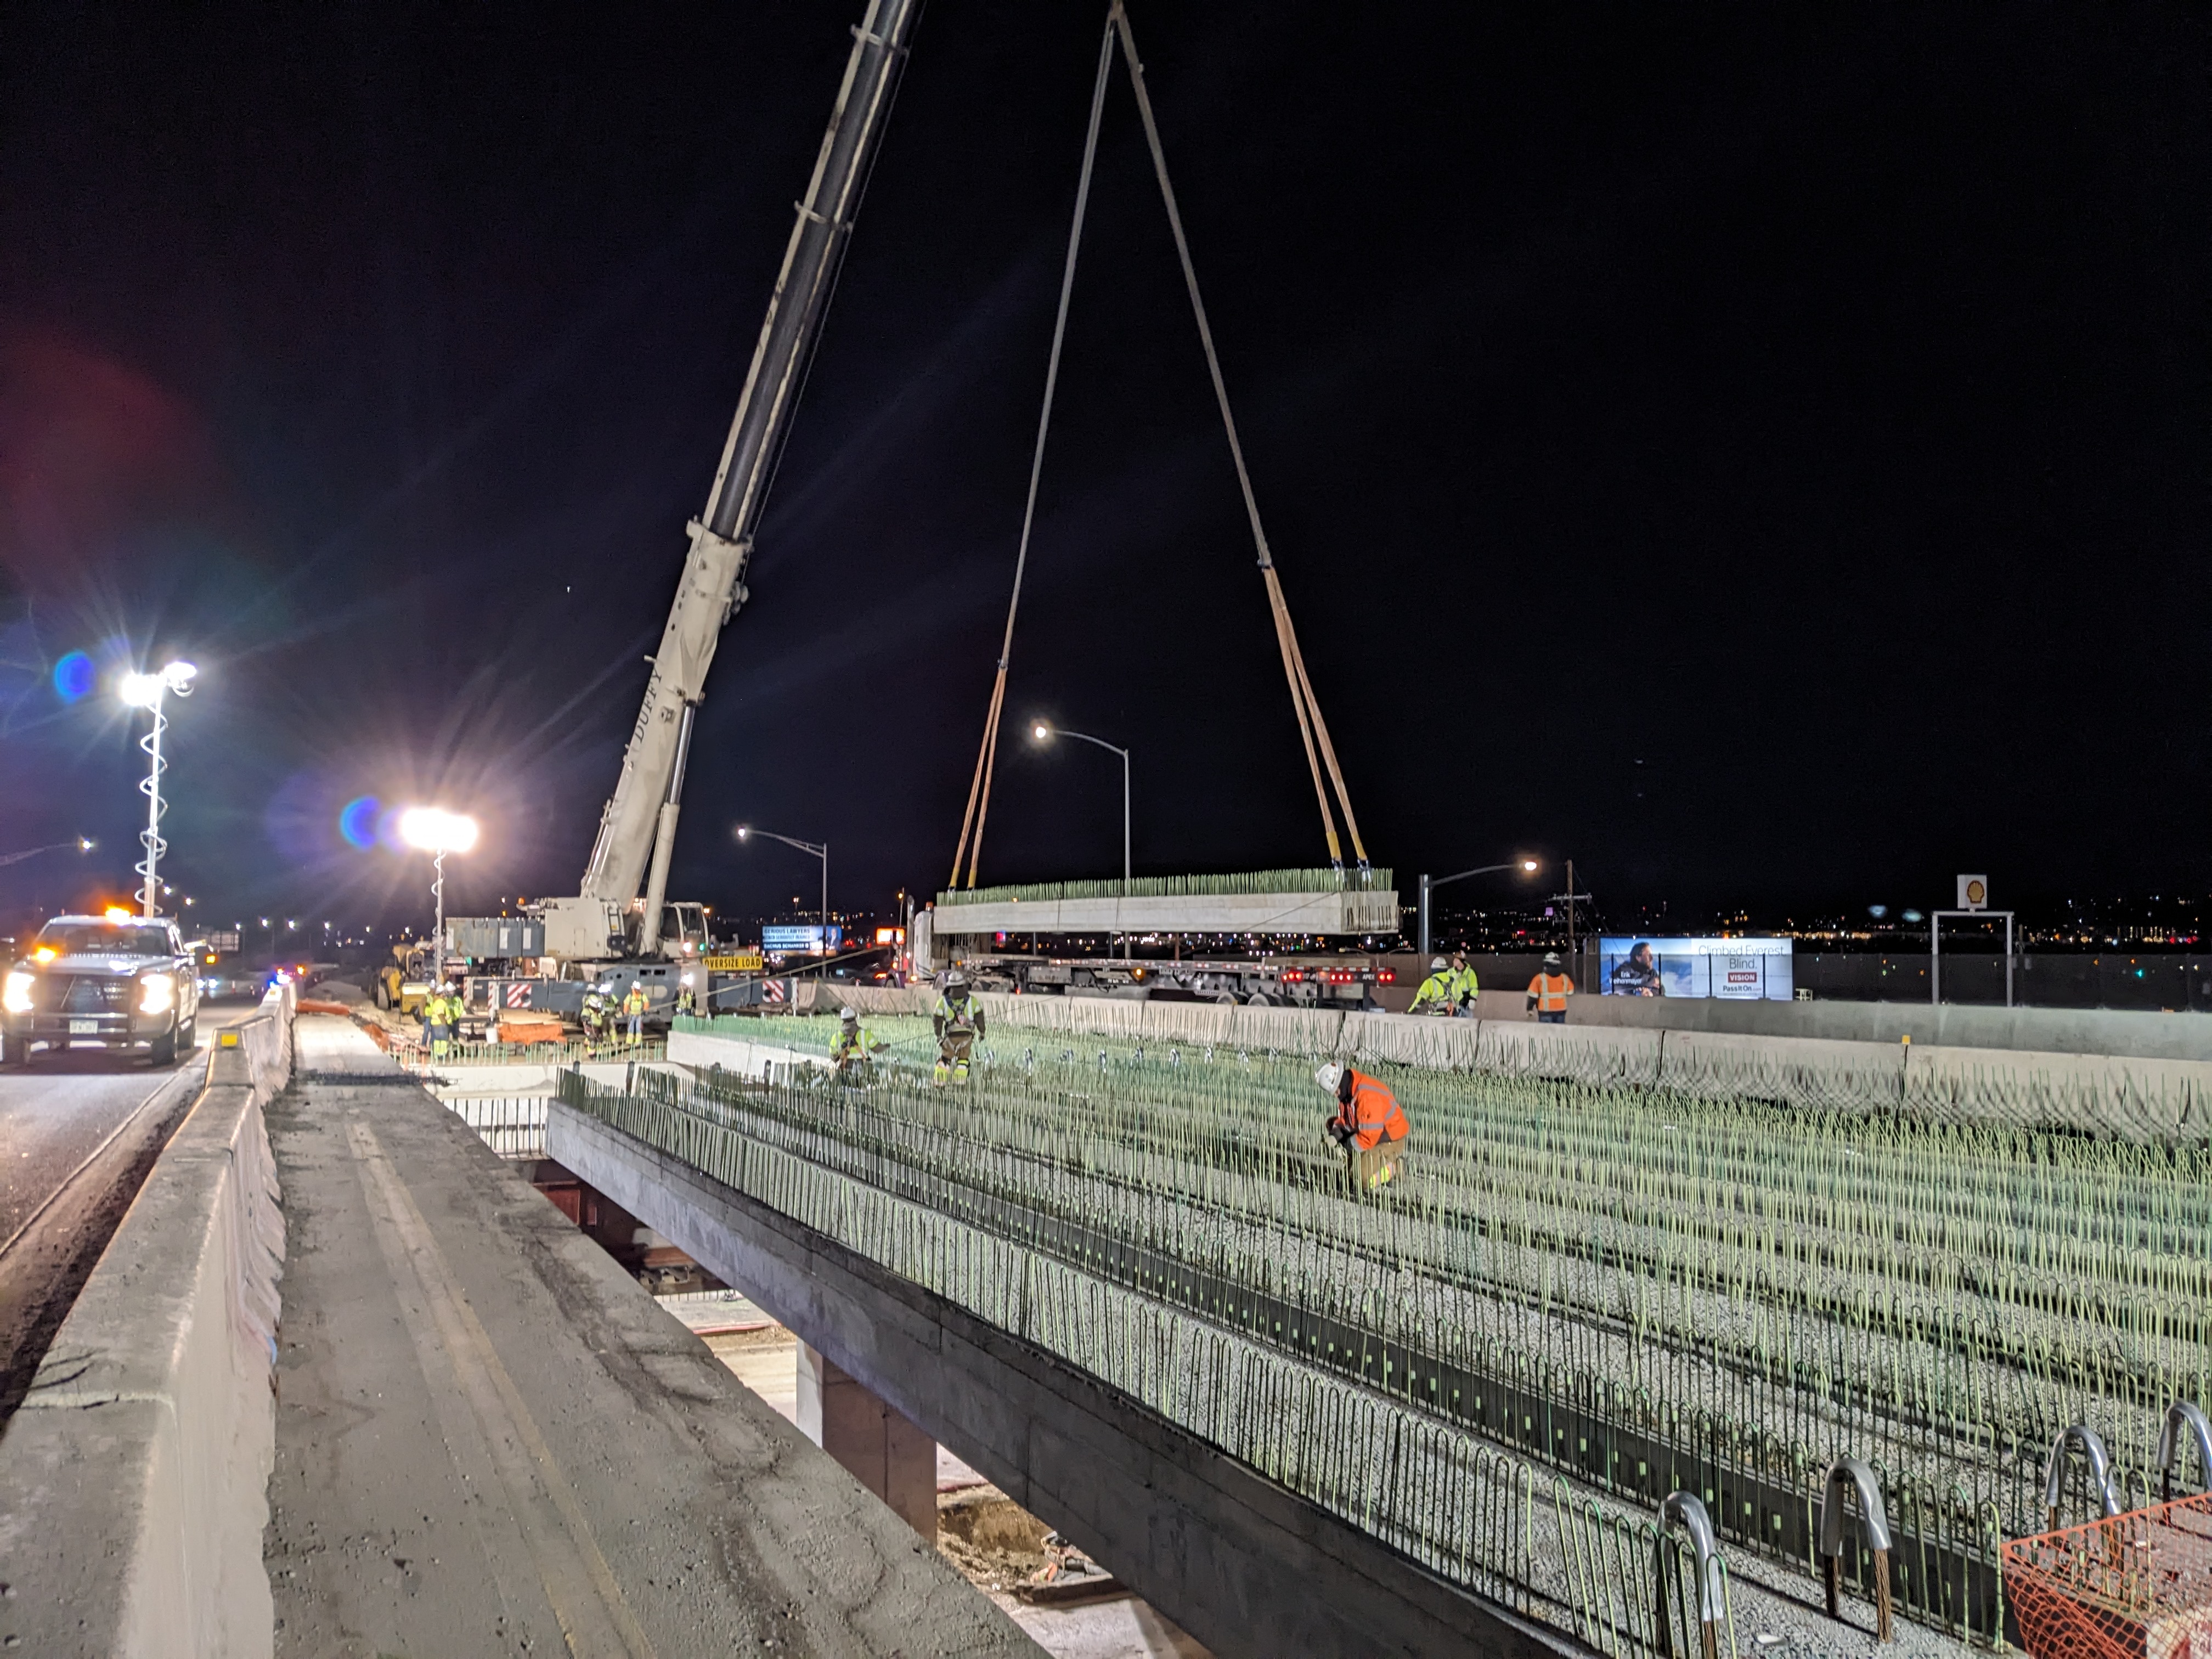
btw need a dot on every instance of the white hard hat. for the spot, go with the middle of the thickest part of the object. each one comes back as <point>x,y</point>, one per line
<point>1328,1077</point>
<point>1438,965</point>
<point>849,1013</point>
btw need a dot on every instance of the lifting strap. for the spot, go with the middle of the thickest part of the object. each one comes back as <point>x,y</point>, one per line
<point>979,789</point>
<point>1313,730</point>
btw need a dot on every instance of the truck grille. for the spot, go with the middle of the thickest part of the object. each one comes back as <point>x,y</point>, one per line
<point>86,994</point>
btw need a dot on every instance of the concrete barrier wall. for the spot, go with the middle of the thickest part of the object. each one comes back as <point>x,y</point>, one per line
<point>134,1476</point>
<point>2126,1095</point>
<point>2178,1037</point>
<point>2049,1030</point>
<point>2135,1097</point>
<point>746,1054</point>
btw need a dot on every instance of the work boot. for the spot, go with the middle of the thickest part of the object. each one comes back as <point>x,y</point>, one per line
<point>960,1072</point>
<point>942,1074</point>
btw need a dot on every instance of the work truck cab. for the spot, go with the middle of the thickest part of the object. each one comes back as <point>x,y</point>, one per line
<point>117,982</point>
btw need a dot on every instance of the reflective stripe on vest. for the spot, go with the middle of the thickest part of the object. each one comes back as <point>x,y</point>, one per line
<point>1372,1111</point>
<point>1550,991</point>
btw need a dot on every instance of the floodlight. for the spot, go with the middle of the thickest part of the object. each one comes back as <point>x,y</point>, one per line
<point>435,830</point>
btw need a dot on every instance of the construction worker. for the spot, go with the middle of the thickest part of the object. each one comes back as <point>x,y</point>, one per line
<point>1368,1125</point>
<point>634,1006</point>
<point>1470,987</point>
<point>595,1017</point>
<point>1439,991</point>
<point>1549,991</point>
<point>957,1020</point>
<point>687,999</point>
<point>852,1050</point>
<point>441,1014</point>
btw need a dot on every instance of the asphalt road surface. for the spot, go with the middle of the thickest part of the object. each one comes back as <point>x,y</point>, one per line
<point>78,1131</point>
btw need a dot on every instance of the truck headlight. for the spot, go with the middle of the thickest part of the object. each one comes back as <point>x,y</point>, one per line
<point>16,999</point>
<point>157,994</point>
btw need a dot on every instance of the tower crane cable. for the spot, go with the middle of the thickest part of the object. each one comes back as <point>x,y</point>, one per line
<point>1312,730</point>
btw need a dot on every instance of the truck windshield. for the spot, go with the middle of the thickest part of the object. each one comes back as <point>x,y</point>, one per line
<point>102,939</point>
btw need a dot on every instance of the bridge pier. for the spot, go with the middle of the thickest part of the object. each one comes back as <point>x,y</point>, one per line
<point>865,1433</point>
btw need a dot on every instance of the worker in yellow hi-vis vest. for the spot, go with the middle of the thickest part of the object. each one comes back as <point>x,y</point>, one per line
<point>1439,991</point>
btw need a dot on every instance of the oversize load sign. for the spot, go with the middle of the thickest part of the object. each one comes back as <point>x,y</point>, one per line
<point>745,962</point>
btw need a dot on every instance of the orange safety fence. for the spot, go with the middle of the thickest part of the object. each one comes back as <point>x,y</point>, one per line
<point>2137,1586</point>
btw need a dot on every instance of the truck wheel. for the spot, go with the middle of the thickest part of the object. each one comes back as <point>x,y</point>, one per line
<point>383,993</point>
<point>164,1051</point>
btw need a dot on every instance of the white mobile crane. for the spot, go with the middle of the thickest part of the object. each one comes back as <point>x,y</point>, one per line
<point>606,930</point>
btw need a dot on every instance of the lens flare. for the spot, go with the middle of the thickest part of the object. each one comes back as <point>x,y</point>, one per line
<point>73,677</point>
<point>357,821</point>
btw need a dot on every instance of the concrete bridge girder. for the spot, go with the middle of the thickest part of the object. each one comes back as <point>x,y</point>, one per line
<point>1244,1564</point>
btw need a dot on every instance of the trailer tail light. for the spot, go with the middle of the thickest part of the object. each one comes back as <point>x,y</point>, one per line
<point>1292,976</point>
<point>1387,976</point>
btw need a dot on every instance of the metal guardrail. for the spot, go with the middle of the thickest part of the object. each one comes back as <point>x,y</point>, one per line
<point>419,1058</point>
<point>514,1126</point>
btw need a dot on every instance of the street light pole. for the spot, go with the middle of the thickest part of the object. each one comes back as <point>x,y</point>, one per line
<point>81,843</point>
<point>1429,884</point>
<point>147,692</point>
<point>819,849</point>
<point>1045,734</point>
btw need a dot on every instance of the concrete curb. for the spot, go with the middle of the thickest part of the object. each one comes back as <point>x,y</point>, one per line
<point>135,1474</point>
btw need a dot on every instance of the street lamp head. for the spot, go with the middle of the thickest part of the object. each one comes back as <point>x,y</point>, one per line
<point>745,830</point>
<point>1041,732</point>
<point>178,676</point>
<point>435,830</point>
<point>1529,865</point>
<point>84,843</point>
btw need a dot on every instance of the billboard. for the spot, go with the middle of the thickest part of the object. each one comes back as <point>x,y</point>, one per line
<point>788,941</point>
<point>1747,970</point>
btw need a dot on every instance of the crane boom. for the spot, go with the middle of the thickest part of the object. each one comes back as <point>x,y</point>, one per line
<point>637,830</point>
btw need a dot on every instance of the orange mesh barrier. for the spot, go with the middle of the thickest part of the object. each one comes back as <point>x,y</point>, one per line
<point>2138,1586</point>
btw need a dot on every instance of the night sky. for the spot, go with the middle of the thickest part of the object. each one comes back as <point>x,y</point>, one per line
<point>1758,452</point>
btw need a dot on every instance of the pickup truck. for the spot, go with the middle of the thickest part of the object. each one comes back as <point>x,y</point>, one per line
<point>118,980</point>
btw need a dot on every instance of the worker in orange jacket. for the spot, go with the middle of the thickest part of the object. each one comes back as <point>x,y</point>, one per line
<point>1549,991</point>
<point>1370,1124</point>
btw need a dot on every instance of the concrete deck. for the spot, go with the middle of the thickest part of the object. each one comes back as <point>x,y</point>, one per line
<point>490,1440</point>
